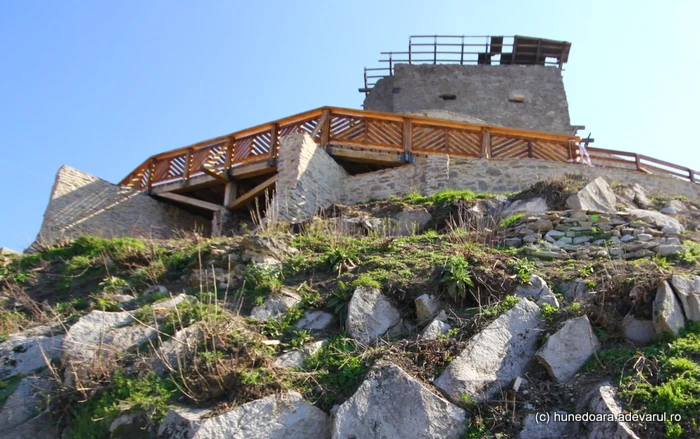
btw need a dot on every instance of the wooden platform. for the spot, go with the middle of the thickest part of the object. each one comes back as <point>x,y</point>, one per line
<point>221,170</point>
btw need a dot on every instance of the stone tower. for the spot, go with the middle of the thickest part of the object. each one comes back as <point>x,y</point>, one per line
<point>508,81</point>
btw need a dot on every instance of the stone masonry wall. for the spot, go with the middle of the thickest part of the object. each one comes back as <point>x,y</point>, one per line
<point>81,204</point>
<point>481,91</point>
<point>309,178</point>
<point>495,176</point>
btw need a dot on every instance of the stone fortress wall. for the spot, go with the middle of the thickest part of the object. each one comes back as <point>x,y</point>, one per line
<point>484,92</point>
<point>310,180</point>
<point>81,204</point>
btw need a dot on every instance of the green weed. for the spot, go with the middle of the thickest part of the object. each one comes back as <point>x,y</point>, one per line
<point>456,277</point>
<point>511,220</point>
<point>147,394</point>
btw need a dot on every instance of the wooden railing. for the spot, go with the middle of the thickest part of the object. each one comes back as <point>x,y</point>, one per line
<point>407,135</point>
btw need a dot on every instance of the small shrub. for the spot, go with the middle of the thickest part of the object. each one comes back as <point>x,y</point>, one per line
<point>692,255</point>
<point>549,312</point>
<point>339,370</point>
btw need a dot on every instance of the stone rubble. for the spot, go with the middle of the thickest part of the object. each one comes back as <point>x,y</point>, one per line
<point>589,234</point>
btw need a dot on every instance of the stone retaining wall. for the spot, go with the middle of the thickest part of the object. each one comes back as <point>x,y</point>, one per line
<point>493,176</point>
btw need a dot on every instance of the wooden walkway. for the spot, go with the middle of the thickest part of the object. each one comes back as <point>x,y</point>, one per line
<point>385,139</point>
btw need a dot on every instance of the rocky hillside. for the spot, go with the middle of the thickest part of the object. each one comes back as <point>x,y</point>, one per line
<point>457,315</point>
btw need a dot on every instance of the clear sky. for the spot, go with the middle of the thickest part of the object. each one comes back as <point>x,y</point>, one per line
<point>102,85</point>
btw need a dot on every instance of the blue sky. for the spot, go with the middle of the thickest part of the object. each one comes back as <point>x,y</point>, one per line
<point>100,86</point>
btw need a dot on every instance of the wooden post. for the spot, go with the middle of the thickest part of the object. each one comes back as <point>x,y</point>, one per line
<point>188,160</point>
<point>637,162</point>
<point>273,143</point>
<point>486,144</point>
<point>326,128</point>
<point>229,153</point>
<point>407,139</point>
<point>691,174</point>
<point>151,170</point>
<point>529,149</point>
<point>570,150</point>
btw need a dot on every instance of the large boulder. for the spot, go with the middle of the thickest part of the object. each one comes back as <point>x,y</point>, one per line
<point>23,415</point>
<point>275,305</point>
<point>673,207</point>
<point>569,348</point>
<point>435,329</point>
<point>285,416</point>
<point>392,404</point>
<point>638,195</point>
<point>316,320</point>
<point>638,331</point>
<point>266,250</point>
<point>534,428</point>
<point>668,313</point>
<point>534,205</point>
<point>538,291</point>
<point>596,196</point>
<point>296,358</point>
<point>667,224</point>
<point>409,222</point>
<point>495,356</point>
<point>24,353</point>
<point>101,336</point>
<point>427,306</point>
<point>688,291</point>
<point>178,350</point>
<point>371,315</point>
<point>603,402</point>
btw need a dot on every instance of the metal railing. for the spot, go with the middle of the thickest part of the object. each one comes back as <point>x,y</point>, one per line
<point>462,49</point>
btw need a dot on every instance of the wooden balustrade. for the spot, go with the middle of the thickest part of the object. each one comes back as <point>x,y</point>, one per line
<point>406,135</point>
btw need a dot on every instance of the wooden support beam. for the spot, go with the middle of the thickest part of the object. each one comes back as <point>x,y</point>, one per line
<point>529,149</point>
<point>190,201</point>
<point>219,175</point>
<point>321,122</point>
<point>374,157</point>
<point>251,170</point>
<point>251,194</point>
<point>230,193</point>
